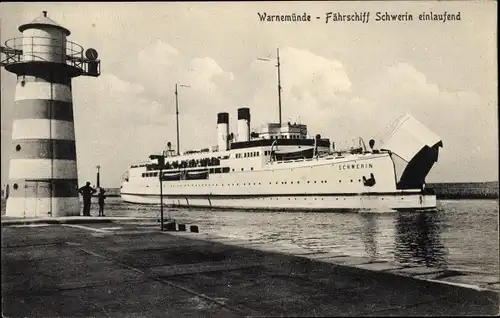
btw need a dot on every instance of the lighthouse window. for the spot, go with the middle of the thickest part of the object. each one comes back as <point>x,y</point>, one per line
<point>251,168</point>
<point>15,186</point>
<point>18,147</point>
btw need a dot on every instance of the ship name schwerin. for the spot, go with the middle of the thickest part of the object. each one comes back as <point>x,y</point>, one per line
<point>282,169</point>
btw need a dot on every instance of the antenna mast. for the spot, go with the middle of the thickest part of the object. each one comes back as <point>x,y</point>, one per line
<point>279,82</point>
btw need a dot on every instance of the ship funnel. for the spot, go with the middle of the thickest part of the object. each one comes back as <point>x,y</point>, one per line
<point>243,124</point>
<point>223,131</point>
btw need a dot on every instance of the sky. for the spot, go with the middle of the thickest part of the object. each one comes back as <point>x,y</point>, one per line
<point>343,79</point>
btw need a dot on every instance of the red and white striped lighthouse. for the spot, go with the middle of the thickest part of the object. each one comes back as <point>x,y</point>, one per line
<point>43,175</point>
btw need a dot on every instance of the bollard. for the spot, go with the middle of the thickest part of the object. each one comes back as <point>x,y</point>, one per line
<point>182,227</point>
<point>169,226</point>
<point>193,228</point>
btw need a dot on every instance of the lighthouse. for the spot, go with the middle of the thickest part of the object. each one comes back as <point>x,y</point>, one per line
<point>43,175</point>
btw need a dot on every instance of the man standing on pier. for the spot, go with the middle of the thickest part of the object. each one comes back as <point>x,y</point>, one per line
<point>86,191</point>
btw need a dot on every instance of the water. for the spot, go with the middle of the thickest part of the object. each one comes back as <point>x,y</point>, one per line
<point>462,235</point>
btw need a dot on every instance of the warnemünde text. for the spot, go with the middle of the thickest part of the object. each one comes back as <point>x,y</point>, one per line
<point>361,17</point>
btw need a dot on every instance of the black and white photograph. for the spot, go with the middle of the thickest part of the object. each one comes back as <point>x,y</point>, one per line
<point>249,159</point>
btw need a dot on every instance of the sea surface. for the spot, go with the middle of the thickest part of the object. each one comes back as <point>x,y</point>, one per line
<point>461,235</point>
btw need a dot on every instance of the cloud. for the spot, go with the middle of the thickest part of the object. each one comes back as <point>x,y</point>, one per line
<point>312,88</point>
<point>318,92</point>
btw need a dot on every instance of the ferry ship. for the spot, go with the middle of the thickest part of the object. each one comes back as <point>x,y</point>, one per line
<point>282,168</point>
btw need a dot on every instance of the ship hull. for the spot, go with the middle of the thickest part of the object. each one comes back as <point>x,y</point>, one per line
<point>377,202</point>
<point>356,182</point>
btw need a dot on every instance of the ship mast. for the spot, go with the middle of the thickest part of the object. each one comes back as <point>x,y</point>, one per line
<point>177,115</point>
<point>177,118</point>
<point>279,78</point>
<point>279,82</point>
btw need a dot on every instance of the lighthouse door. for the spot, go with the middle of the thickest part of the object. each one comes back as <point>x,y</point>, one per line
<point>37,198</point>
<point>44,199</point>
<point>30,198</point>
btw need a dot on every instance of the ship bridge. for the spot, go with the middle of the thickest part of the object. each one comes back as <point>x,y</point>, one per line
<point>283,131</point>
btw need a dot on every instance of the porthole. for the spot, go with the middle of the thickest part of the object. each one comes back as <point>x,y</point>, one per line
<point>15,186</point>
<point>18,147</point>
